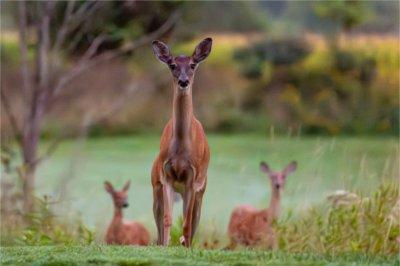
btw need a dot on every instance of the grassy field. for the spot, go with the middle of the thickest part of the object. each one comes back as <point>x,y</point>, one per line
<point>108,255</point>
<point>78,171</point>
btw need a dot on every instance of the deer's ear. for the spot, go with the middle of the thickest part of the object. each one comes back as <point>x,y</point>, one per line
<point>202,50</point>
<point>265,168</point>
<point>108,187</point>
<point>162,52</point>
<point>290,168</point>
<point>126,186</point>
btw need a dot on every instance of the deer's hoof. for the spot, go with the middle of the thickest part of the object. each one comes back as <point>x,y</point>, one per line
<point>182,240</point>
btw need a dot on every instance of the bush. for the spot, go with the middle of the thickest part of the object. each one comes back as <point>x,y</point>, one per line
<point>278,52</point>
<point>337,91</point>
<point>283,51</point>
<point>41,226</point>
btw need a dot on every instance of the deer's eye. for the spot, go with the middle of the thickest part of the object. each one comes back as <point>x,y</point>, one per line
<point>192,66</point>
<point>172,66</point>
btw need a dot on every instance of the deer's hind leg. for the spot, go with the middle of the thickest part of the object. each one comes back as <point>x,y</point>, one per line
<point>158,210</point>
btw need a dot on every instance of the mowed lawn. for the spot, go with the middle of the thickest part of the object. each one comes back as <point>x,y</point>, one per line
<point>78,169</point>
<point>125,256</point>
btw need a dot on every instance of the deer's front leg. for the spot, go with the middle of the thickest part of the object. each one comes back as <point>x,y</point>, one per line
<point>162,208</point>
<point>167,214</point>
<point>188,205</point>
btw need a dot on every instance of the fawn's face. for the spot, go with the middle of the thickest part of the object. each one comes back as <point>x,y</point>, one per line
<point>278,179</point>
<point>120,198</point>
<point>182,67</point>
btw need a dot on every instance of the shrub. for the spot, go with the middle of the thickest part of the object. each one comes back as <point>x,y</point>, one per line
<point>41,226</point>
<point>279,52</point>
<point>45,228</point>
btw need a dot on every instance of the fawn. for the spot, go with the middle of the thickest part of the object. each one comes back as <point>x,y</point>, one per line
<point>182,162</point>
<point>120,232</point>
<point>249,226</point>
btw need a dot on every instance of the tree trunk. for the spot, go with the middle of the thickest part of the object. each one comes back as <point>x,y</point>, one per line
<point>30,142</point>
<point>40,97</point>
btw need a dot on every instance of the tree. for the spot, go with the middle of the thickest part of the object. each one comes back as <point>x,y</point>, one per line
<point>344,14</point>
<point>41,84</point>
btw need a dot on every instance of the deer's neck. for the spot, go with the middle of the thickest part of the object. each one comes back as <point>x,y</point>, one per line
<point>274,204</point>
<point>182,115</point>
<point>117,220</point>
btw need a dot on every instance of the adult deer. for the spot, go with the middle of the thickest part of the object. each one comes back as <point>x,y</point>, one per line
<point>182,162</point>
<point>249,226</point>
<point>120,232</point>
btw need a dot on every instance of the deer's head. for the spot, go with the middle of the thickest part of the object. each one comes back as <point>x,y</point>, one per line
<point>278,179</point>
<point>120,198</point>
<point>182,67</point>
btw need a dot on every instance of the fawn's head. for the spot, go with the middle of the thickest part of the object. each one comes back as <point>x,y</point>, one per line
<point>120,198</point>
<point>182,67</point>
<point>278,179</point>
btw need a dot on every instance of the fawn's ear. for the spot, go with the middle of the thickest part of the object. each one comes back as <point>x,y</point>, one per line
<point>265,168</point>
<point>162,52</point>
<point>290,168</point>
<point>109,188</point>
<point>126,186</point>
<point>202,50</point>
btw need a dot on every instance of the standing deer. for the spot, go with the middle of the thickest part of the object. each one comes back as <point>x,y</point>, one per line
<point>182,162</point>
<point>249,226</point>
<point>120,232</point>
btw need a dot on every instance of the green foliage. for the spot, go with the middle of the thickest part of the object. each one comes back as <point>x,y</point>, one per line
<point>346,14</point>
<point>278,52</point>
<point>120,22</point>
<point>206,16</point>
<point>345,94</point>
<point>327,91</point>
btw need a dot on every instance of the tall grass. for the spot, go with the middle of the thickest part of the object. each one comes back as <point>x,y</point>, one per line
<point>43,227</point>
<point>363,225</point>
<point>368,225</point>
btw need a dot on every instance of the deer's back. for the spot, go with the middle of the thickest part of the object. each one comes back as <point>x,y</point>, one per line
<point>138,234</point>
<point>249,226</point>
<point>130,233</point>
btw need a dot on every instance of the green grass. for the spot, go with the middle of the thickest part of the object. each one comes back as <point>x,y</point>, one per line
<point>113,255</point>
<point>325,164</point>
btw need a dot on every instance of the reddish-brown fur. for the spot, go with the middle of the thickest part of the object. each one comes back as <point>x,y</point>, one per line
<point>251,227</point>
<point>182,163</point>
<point>121,232</point>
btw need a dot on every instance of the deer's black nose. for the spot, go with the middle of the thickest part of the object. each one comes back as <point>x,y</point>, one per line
<point>278,186</point>
<point>183,83</point>
<point>125,205</point>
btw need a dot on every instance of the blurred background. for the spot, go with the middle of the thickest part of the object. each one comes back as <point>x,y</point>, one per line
<point>84,100</point>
